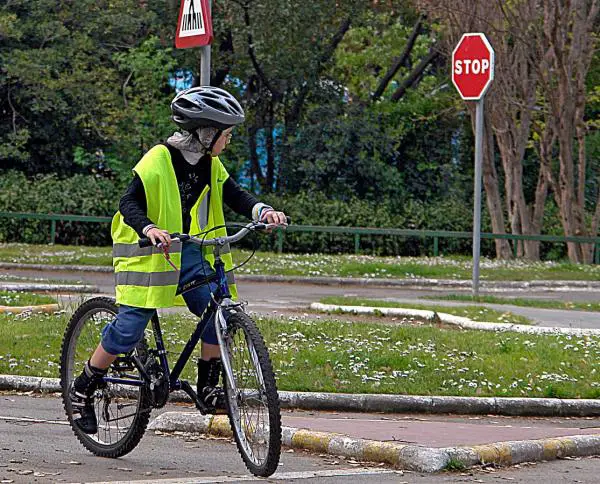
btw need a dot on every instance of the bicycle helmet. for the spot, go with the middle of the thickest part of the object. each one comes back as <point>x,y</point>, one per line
<point>206,106</point>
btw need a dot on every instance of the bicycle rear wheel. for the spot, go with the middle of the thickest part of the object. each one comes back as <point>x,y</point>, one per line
<point>251,396</point>
<point>122,411</point>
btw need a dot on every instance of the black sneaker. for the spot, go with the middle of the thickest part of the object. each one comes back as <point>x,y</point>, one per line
<point>208,389</point>
<point>81,394</point>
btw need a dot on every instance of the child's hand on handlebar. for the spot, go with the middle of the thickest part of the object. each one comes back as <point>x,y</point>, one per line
<point>273,217</point>
<point>158,236</point>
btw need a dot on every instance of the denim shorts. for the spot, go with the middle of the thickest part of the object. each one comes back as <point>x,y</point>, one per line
<point>126,330</point>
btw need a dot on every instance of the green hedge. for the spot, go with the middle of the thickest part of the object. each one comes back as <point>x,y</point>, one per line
<point>79,194</point>
<point>316,209</point>
<point>92,195</point>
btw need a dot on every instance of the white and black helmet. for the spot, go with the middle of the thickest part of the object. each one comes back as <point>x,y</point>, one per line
<point>206,106</point>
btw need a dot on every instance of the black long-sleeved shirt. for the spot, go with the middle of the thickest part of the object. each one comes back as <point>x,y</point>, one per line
<point>191,179</point>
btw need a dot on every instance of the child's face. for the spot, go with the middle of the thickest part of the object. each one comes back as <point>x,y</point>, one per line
<point>222,142</point>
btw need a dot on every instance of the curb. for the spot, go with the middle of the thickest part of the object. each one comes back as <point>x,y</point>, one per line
<point>380,403</point>
<point>441,284</point>
<point>410,457</point>
<point>434,317</point>
<point>42,308</point>
<point>30,287</point>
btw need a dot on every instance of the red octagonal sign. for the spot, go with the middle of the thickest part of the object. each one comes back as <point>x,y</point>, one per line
<point>472,66</point>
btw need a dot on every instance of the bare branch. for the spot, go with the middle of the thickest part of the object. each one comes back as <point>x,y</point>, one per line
<point>399,61</point>
<point>294,113</point>
<point>123,88</point>
<point>259,71</point>
<point>415,74</point>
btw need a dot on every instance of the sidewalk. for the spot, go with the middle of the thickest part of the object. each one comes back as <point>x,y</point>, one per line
<point>422,443</point>
<point>440,430</point>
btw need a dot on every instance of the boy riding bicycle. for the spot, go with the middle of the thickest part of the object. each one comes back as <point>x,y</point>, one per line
<point>178,187</point>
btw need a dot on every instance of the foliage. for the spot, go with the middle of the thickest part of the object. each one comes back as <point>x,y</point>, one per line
<point>62,80</point>
<point>79,194</point>
<point>84,90</point>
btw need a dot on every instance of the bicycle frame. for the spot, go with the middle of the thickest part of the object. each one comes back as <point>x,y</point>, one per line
<point>214,311</point>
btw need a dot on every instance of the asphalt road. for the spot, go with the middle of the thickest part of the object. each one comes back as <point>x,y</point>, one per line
<point>288,298</point>
<point>37,445</point>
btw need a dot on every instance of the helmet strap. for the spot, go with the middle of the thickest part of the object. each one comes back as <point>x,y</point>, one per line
<point>217,136</point>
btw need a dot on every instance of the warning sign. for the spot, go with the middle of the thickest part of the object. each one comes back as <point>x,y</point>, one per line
<point>194,27</point>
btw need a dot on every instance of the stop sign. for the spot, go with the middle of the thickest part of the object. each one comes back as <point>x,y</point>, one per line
<point>472,66</point>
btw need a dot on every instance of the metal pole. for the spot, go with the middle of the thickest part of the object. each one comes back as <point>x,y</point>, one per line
<point>477,194</point>
<point>205,60</point>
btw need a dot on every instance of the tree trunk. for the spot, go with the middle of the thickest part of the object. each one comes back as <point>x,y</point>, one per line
<point>255,170</point>
<point>566,46</point>
<point>270,148</point>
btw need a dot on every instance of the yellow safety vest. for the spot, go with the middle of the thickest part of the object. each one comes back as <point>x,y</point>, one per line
<point>144,278</point>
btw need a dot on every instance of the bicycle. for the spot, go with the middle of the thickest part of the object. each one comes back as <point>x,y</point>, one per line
<point>142,380</point>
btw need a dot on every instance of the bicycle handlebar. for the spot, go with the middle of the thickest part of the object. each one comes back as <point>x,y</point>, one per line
<point>240,234</point>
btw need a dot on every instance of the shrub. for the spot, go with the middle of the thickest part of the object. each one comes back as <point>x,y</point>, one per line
<point>79,194</point>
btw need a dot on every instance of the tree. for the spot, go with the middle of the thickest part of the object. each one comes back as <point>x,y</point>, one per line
<point>566,45</point>
<point>63,79</point>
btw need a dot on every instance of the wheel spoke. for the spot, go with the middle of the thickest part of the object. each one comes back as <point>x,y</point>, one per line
<point>249,405</point>
<point>116,406</point>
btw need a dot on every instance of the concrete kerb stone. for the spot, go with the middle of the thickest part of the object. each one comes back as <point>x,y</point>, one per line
<point>322,442</point>
<point>410,457</point>
<point>42,308</point>
<point>443,318</point>
<point>379,403</point>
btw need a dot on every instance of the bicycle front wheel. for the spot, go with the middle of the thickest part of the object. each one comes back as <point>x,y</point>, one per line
<point>122,411</point>
<point>252,399</point>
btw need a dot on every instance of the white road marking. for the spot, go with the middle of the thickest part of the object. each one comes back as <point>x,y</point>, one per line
<point>277,475</point>
<point>33,420</point>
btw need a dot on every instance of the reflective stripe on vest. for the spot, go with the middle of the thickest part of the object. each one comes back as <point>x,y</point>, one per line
<point>134,250</point>
<point>203,212</point>
<point>132,278</point>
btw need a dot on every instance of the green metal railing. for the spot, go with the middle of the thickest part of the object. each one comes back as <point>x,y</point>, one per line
<point>357,232</point>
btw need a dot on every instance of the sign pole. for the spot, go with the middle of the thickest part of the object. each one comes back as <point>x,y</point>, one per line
<point>194,29</point>
<point>472,73</point>
<point>477,194</point>
<point>205,59</point>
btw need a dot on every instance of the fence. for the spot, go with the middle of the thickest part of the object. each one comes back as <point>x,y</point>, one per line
<point>356,232</point>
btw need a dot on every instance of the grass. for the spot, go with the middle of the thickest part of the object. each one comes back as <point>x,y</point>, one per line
<point>335,356</point>
<point>15,298</point>
<point>458,268</point>
<point>532,303</point>
<point>55,254</point>
<point>476,313</point>
<point>29,279</point>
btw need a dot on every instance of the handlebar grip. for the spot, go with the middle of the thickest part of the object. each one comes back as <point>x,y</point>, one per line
<point>263,226</point>
<point>146,242</point>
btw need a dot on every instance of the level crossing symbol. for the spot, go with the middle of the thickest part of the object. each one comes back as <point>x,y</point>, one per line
<point>194,28</point>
